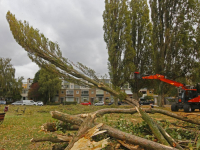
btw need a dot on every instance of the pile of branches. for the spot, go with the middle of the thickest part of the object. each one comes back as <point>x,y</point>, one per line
<point>87,128</point>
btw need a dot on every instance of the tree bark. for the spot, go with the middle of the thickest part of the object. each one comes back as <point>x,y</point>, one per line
<point>57,139</point>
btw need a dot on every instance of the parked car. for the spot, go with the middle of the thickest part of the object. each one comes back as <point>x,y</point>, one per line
<point>29,102</point>
<point>144,101</point>
<point>86,103</point>
<point>99,103</point>
<point>39,103</point>
<point>17,103</point>
<point>119,103</point>
<point>2,102</point>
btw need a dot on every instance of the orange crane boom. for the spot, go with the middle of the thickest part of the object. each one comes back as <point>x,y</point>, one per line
<point>162,78</point>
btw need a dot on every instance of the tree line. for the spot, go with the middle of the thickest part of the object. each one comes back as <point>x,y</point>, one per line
<point>161,37</point>
<point>45,86</point>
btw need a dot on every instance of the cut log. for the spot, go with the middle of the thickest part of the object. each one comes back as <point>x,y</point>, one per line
<point>55,139</point>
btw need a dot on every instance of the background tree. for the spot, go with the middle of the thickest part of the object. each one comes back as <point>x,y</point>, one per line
<point>36,78</point>
<point>17,88</point>
<point>174,52</point>
<point>117,28</point>
<point>49,84</point>
<point>141,33</point>
<point>9,86</point>
<point>33,92</point>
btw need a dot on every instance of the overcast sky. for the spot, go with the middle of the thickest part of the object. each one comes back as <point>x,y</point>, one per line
<point>77,26</point>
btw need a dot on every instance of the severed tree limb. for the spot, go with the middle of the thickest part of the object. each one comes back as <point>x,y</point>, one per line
<point>171,141</point>
<point>154,127</point>
<point>132,139</point>
<point>57,139</point>
<point>66,118</point>
<point>168,113</point>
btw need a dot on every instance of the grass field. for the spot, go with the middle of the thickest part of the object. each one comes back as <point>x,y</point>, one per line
<point>19,128</point>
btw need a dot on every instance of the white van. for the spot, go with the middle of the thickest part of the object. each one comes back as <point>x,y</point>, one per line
<point>29,102</point>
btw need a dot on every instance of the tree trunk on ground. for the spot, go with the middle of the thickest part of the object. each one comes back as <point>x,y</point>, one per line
<point>112,131</point>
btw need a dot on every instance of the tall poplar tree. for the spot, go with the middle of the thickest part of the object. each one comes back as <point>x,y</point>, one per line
<point>141,32</point>
<point>174,37</point>
<point>141,35</point>
<point>174,52</point>
<point>117,28</point>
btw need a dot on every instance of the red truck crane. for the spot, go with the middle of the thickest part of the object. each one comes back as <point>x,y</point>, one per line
<point>188,98</point>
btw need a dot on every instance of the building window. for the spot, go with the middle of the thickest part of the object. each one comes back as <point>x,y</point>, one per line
<point>62,92</point>
<point>76,86</point>
<point>77,92</point>
<point>84,92</point>
<point>70,92</point>
<point>72,86</point>
<point>92,92</point>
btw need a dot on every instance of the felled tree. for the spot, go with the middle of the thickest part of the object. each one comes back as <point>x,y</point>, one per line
<point>46,54</point>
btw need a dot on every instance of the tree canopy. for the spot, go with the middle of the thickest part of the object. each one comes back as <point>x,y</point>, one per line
<point>49,84</point>
<point>9,86</point>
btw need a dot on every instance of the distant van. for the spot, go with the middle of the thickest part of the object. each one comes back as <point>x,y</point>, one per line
<point>2,102</point>
<point>29,102</point>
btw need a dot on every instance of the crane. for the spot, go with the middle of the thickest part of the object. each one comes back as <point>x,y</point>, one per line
<point>188,98</point>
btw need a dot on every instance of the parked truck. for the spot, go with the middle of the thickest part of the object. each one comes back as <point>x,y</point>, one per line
<point>188,98</point>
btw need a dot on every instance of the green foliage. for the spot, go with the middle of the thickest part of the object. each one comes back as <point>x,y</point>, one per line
<point>181,134</point>
<point>175,43</point>
<point>122,96</point>
<point>36,78</point>
<point>10,87</point>
<point>140,129</point>
<point>49,84</point>
<point>117,27</point>
<point>148,97</point>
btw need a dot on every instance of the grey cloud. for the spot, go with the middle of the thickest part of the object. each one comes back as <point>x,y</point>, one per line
<point>75,24</point>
